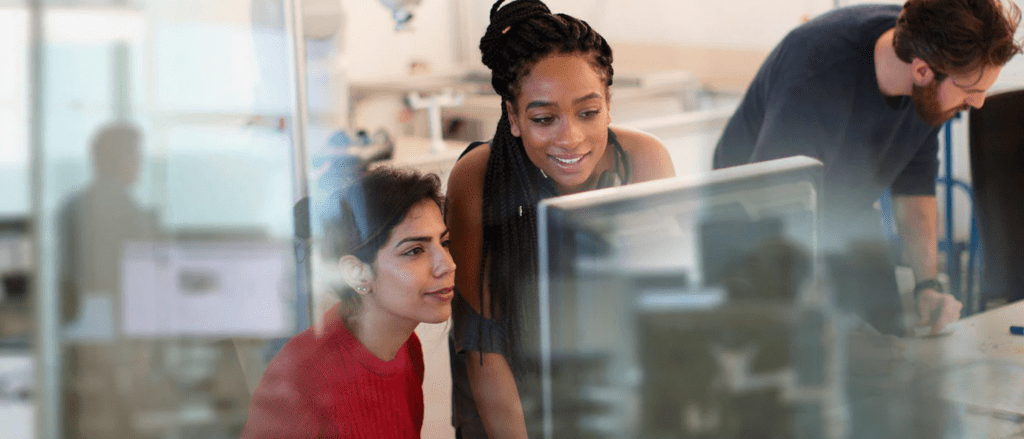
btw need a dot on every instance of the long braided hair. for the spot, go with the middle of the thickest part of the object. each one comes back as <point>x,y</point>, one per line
<point>519,35</point>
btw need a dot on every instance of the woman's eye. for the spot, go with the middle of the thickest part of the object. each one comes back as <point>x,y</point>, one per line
<point>413,251</point>
<point>543,120</point>
<point>446,243</point>
<point>590,113</point>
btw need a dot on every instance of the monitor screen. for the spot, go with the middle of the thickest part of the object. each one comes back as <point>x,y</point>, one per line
<point>684,307</point>
<point>186,289</point>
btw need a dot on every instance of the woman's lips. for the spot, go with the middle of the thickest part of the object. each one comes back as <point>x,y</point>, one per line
<point>444,294</point>
<point>568,163</point>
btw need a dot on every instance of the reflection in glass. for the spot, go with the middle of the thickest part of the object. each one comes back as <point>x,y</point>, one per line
<point>165,219</point>
<point>688,308</point>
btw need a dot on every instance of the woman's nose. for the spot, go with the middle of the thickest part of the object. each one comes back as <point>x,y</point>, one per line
<point>444,264</point>
<point>570,135</point>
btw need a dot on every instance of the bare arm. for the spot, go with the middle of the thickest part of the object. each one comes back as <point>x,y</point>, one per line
<point>492,382</point>
<point>916,220</point>
<point>650,159</point>
<point>496,395</point>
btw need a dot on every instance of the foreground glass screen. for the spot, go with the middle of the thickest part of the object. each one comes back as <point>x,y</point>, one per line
<point>685,308</point>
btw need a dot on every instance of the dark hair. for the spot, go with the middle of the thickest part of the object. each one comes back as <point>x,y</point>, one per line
<point>369,209</point>
<point>957,36</point>
<point>519,35</point>
<point>113,144</point>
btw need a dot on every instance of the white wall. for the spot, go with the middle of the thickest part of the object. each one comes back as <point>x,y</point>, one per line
<point>372,49</point>
<point>747,24</point>
<point>741,24</point>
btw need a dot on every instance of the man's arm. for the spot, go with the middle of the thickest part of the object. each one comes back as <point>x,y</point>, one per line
<point>916,220</point>
<point>68,248</point>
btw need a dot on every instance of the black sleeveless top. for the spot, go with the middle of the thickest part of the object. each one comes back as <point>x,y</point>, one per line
<point>474,332</point>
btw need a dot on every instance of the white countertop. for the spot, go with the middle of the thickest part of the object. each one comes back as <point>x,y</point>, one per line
<point>980,366</point>
<point>980,337</point>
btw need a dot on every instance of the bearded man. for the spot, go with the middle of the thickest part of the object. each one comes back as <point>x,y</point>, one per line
<point>864,89</point>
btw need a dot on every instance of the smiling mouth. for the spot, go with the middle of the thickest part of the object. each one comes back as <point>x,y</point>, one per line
<point>568,161</point>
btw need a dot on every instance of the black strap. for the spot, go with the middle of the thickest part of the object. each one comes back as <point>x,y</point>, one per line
<point>470,148</point>
<point>622,164</point>
<point>926,284</point>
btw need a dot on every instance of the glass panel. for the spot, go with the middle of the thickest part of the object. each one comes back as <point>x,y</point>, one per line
<point>17,365</point>
<point>711,324</point>
<point>166,213</point>
<point>14,174</point>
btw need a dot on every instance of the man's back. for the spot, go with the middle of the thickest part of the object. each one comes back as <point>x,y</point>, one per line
<point>817,94</point>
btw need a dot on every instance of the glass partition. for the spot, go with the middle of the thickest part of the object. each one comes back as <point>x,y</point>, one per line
<point>166,185</point>
<point>712,320</point>
<point>17,364</point>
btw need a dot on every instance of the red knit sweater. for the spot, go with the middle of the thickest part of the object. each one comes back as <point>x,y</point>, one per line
<point>332,386</point>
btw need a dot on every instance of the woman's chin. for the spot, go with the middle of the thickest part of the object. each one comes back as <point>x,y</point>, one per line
<point>439,318</point>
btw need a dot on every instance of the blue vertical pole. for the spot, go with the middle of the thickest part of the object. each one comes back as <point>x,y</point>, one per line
<point>952,263</point>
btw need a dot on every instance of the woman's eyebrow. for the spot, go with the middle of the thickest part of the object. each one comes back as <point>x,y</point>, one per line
<point>535,104</point>
<point>419,238</point>
<point>413,239</point>
<point>594,95</point>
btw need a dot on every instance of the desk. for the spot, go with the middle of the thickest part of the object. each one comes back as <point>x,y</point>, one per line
<point>983,336</point>
<point>979,368</point>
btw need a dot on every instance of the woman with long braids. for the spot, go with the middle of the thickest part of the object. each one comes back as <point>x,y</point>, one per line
<point>553,73</point>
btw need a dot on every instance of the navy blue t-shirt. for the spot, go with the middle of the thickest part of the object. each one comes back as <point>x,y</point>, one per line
<point>817,95</point>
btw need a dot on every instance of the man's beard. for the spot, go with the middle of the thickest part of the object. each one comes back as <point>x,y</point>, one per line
<point>926,102</point>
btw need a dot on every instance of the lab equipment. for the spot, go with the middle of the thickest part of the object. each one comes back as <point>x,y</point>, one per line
<point>433,104</point>
<point>401,11</point>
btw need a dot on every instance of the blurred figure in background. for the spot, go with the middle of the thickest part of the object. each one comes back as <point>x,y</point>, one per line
<point>96,223</point>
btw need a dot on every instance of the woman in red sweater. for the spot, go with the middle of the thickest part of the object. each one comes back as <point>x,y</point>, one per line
<point>361,375</point>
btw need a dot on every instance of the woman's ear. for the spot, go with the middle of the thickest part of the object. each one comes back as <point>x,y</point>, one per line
<point>357,274</point>
<point>513,119</point>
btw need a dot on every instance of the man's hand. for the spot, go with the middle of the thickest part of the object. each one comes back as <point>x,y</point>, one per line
<point>937,309</point>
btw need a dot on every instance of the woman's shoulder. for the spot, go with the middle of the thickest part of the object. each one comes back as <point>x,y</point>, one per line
<point>296,352</point>
<point>467,176</point>
<point>648,156</point>
<point>281,404</point>
<point>473,162</point>
<point>295,360</point>
<point>415,348</point>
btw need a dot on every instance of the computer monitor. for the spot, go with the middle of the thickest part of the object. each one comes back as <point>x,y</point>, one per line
<point>686,307</point>
<point>208,288</point>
